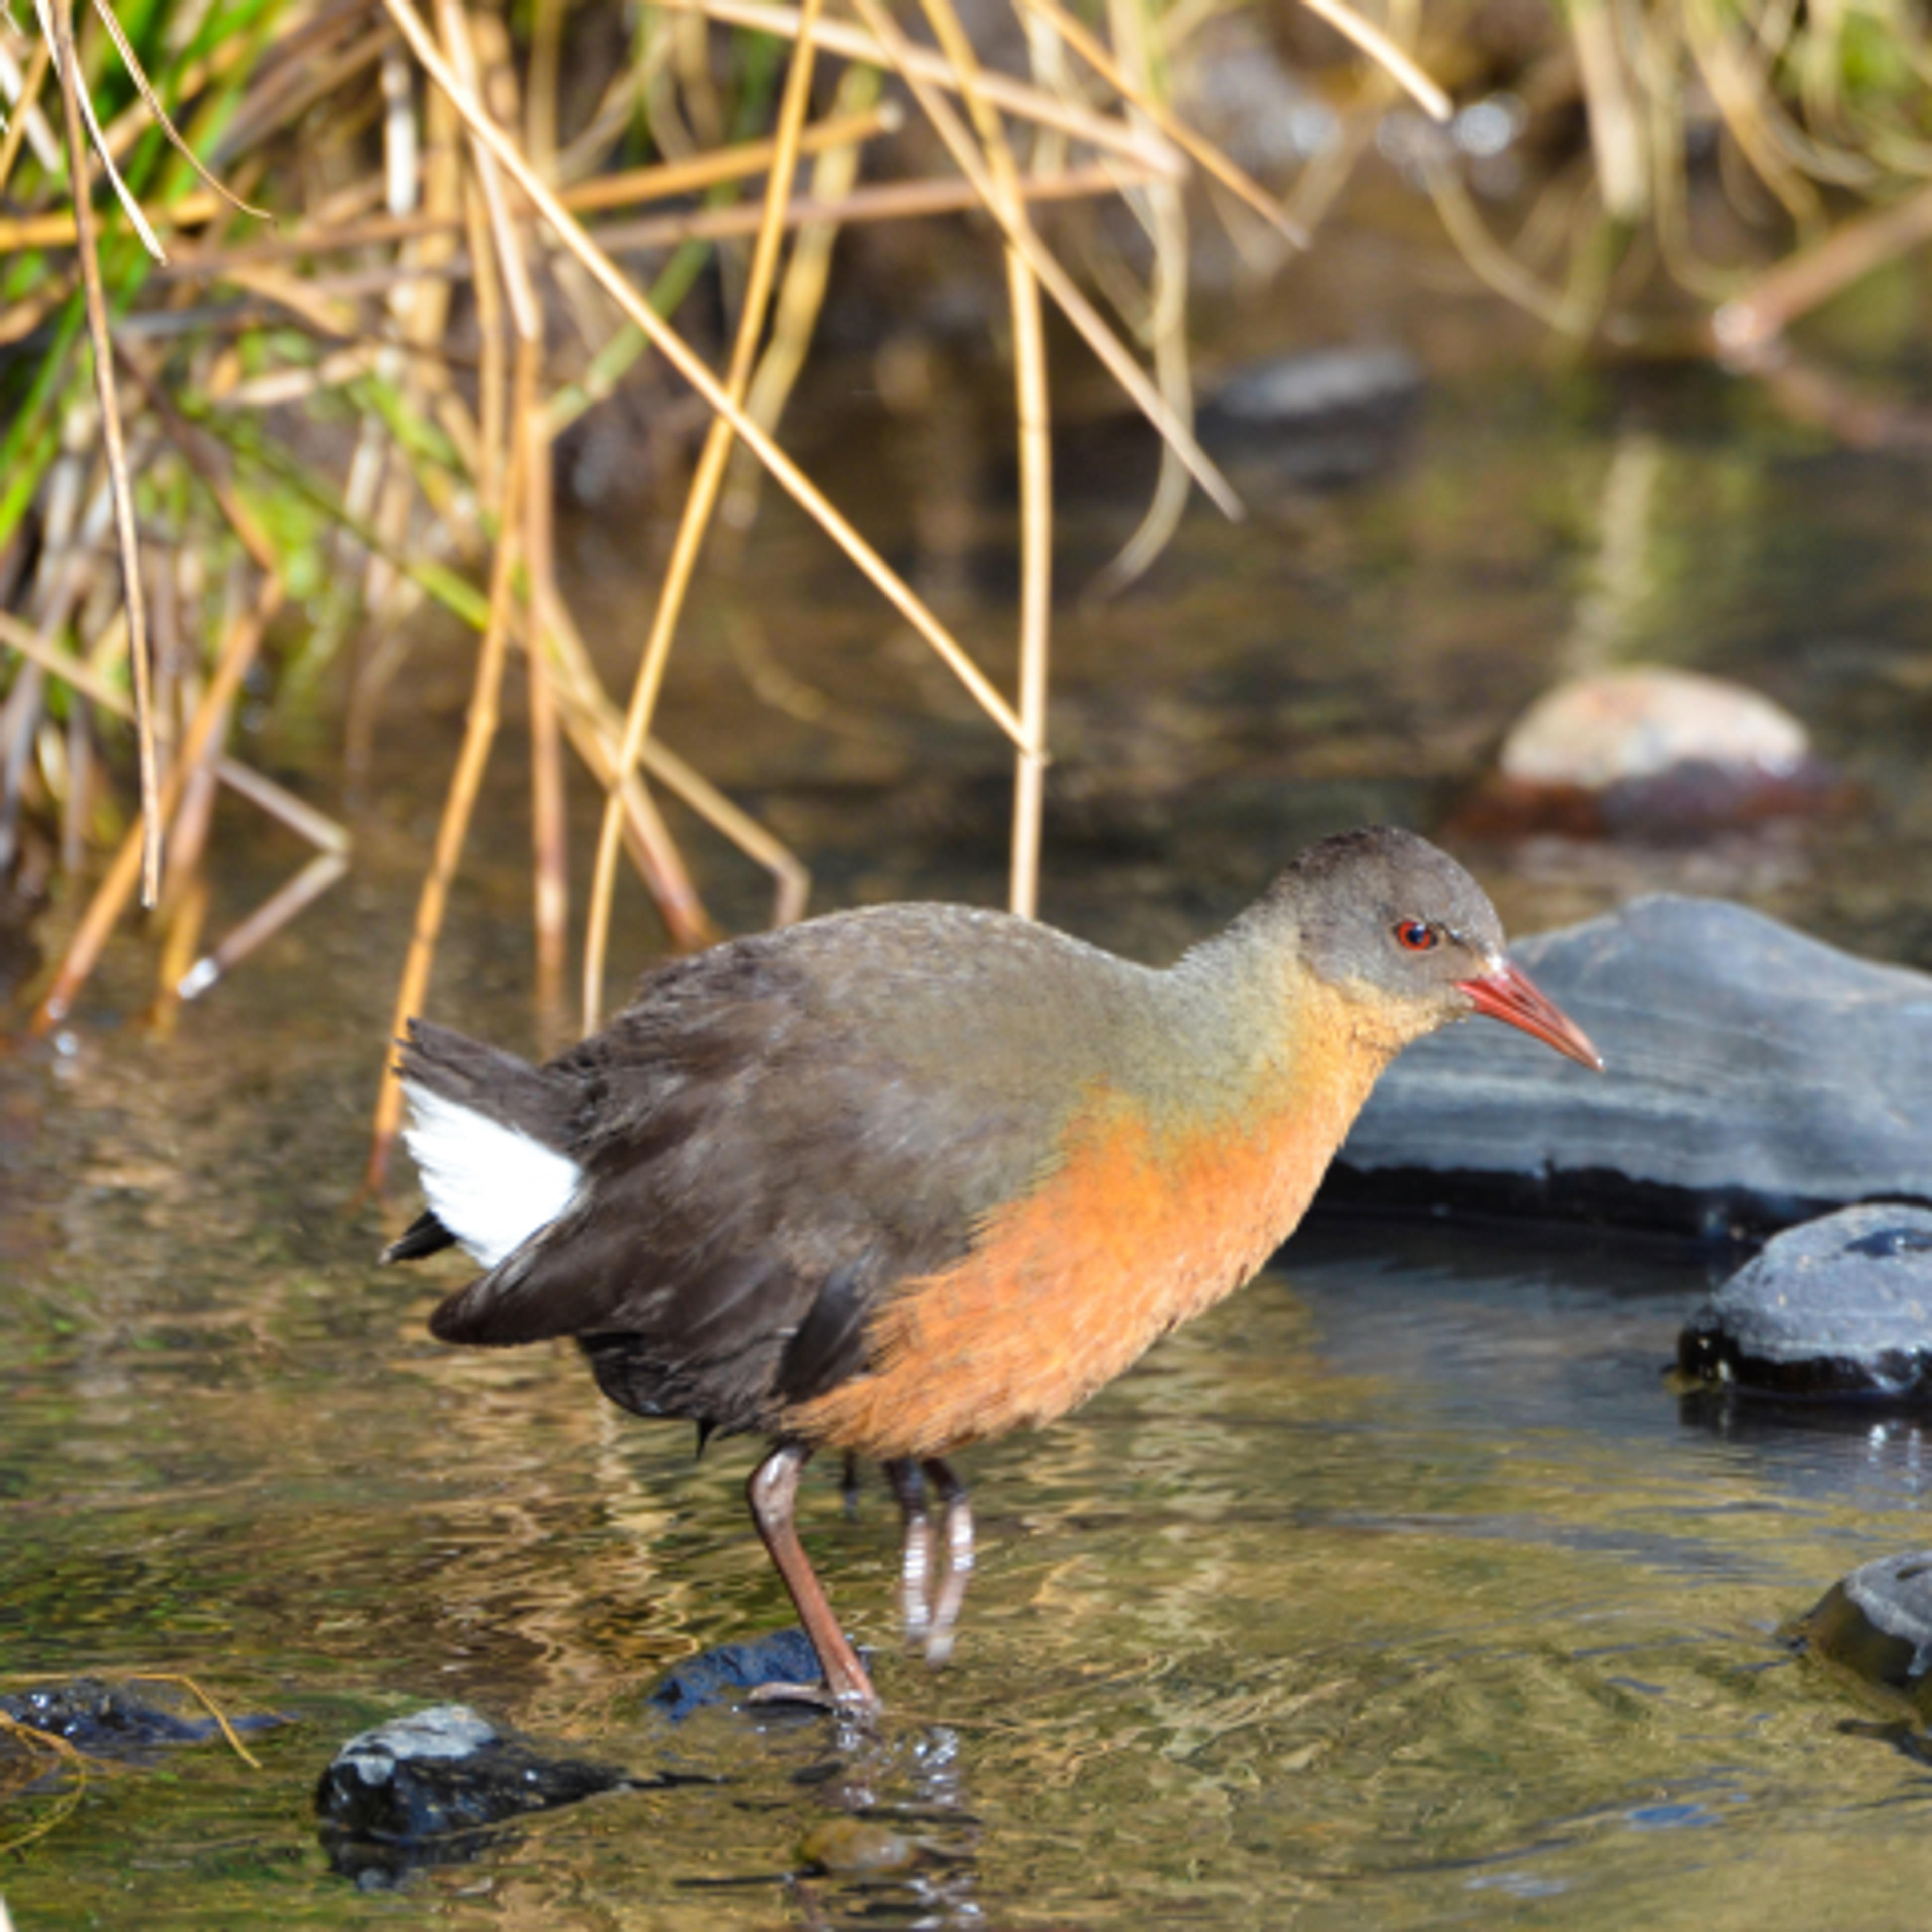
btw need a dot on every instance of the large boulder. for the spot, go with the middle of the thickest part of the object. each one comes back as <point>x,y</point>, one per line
<point>1756,1078</point>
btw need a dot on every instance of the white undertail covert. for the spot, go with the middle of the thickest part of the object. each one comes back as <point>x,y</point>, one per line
<point>492,1187</point>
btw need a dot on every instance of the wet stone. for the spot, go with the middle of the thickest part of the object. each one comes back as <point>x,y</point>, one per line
<point>444,1773</point>
<point>1755,1078</point>
<point>1650,753</point>
<point>1840,1306</point>
<point>1878,1622</point>
<point>113,1720</point>
<point>1320,417</point>
<point>725,1675</point>
<point>857,1845</point>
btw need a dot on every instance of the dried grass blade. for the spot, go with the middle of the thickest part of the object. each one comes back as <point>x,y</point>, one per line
<point>267,920</point>
<point>1032,406</point>
<point>479,733</point>
<point>1010,95</point>
<point>238,653</point>
<point>678,353</point>
<point>57,26</point>
<point>1747,325</point>
<point>701,502</point>
<point>1167,325</point>
<point>67,62</point>
<point>1073,304</point>
<point>1384,51</point>
<point>1233,178</point>
<point>24,109</point>
<point>208,1705</point>
<point>877,201</point>
<point>138,74</point>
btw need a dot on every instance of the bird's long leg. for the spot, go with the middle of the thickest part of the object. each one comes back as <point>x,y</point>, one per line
<point>771,1493</point>
<point>948,1593</point>
<point>916,1558</point>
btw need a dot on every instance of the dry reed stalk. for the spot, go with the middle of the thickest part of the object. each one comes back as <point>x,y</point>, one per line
<point>594,729</point>
<point>700,502</point>
<point>130,127</point>
<point>1744,328</point>
<point>879,201</point>
<point>479,732</point>
<point>31,1739</point>
<point>268,919</point>
<point>883,201</point>
<point>1493,263</point>
<point>1033,408</point>
<point>1747,111</point>
<point>331,840</point>
<point>110,898</point>
<point>1167,321</point>
<point>546,76</point>
<point>548,829</point>
<point>1135,145</point>
<point>660,181</point>
<point>801,294</point>
<point>678,353</point>
<point>184,915</point>
<point>24,109</point>
<point>493,373</point>
<point>1386,54</point>
<point>598,730</point>
<point>67,65</point>
<point>1072,304</point>
<point>1617,129</point>
<point>1203,152</point>
<point>550,834</point>
<point>208,1704</point>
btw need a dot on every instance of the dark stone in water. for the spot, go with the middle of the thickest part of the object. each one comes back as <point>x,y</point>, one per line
<point>439,1786</point>
<point>426,1790</point>
<point>1840,1306</point>
<point>113,1720</point>
<point>1322,416</point>
<point>1756,1078</point>
<point>1878,1622</point>
<point>723,1675</point>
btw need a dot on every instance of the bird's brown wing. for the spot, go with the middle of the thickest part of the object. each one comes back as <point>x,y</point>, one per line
<point>774,1133</point>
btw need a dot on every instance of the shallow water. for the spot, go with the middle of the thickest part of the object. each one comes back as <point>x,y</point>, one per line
<point>1399,1591</point>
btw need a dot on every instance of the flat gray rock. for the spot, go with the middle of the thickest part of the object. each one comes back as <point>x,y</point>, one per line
<point>1841,1305</point>
<point>1756,1078</point>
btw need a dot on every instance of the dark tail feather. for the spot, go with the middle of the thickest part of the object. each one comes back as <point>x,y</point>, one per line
<point>425,1235</point>
<point>496,1085</point>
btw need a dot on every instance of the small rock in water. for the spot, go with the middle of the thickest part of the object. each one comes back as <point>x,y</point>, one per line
<point>424,1789</point>
<point>1650,752</point>
<point>722,1675</point>
<point>1755,1078</point>
<point>857,1845</point>
<point>1839,1307</point>
<point>1318,417</point>
<point>113,1720</point>
<point>1878,1622</point>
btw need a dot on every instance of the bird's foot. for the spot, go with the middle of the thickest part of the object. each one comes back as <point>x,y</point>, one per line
<point>931,1591</point>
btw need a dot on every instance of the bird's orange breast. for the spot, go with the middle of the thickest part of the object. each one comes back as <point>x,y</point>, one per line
<point>1135,1231</point>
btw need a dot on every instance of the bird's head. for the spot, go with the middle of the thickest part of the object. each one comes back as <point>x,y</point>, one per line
<point>1399,927</point>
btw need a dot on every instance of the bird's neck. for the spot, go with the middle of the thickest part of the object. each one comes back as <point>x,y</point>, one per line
<point>1266,1033</point>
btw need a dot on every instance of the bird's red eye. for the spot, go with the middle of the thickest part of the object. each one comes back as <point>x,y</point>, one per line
<point>1413,936</point>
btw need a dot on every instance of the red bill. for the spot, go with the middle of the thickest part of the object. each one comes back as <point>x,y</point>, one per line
<point>1509,993</point>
